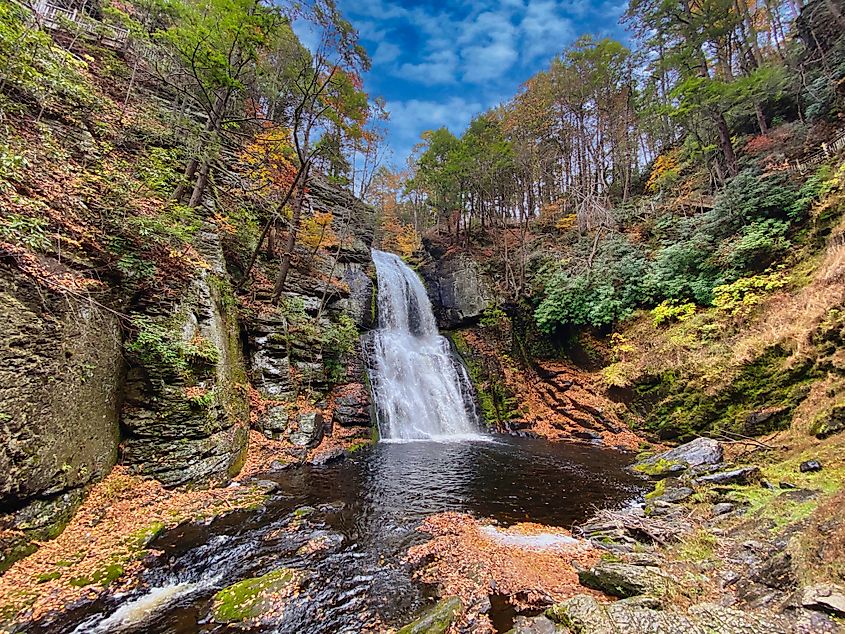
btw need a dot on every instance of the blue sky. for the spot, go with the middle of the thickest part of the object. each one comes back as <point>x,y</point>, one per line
<point>440,63</point>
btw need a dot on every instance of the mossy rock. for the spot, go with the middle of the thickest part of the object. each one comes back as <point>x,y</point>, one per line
<point>103,576</point>
<point>250,598</point>
<point>437,619</point>
<point>829,422</point>
<point>659,468</point>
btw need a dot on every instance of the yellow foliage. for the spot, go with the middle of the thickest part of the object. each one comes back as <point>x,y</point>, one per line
<point>316,231</point>
<point>567,222</point>
<point>664,165</point>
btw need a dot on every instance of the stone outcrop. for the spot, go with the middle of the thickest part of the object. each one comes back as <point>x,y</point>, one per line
<point>584,615</point>
<point>458,290</point>
<point>697,453</point>
<point>186,414</point>
<point>61,369</point>
<point>289,358</point>
<point>625,580</point>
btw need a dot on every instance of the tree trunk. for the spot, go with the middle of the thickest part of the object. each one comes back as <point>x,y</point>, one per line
<point>284,267</point>
<point>199,187</point>
<point>725,142</point>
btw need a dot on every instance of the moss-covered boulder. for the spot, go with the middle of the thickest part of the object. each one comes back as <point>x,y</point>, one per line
<point>253,597</point>
<point>436,619</point>
<point>696,453</point>
<point>625,580</point>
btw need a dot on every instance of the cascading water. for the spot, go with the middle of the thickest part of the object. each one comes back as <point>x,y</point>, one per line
<point>421,390</point>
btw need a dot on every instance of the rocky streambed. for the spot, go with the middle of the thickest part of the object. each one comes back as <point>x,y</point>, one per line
<point>328,550</point>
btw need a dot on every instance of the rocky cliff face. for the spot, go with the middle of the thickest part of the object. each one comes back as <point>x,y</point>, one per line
<point>186,414</point>
<point>61,372</point>
<point>293,360</point>
<point>459,291</point>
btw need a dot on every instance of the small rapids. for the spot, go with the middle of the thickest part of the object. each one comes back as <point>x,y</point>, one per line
<point>362,513</point>
<point>421,390</point>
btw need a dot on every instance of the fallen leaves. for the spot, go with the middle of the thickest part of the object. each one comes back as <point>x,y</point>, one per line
<point>106,541</point>
<point>467,559</point>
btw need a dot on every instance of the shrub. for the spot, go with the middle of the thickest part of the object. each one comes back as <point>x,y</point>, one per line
<point>747,292</point>
<point>29,232</point>
<point>668,310</point>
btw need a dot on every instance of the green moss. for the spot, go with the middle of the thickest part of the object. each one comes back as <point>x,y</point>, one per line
<point>44,577</point>
<point>657,469</point>
<point>141,538</point>
<point>103,576</point>
<point>675,408</point>
<point>700,546</point>
<point>437,619</point>
<point>659,489</point>
<point>250,597</point>
<point>496,403</point>
<point>829,422</point>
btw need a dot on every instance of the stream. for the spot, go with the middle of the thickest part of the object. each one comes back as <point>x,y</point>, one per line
<point>364,511</point>
<point>347,526</point>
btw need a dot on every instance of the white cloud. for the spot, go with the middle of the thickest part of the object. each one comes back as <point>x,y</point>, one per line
<point>411,117</point>
<point>386,53</point>
<point>438,68</point>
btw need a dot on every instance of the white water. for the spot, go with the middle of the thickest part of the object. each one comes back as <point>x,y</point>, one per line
<point>422,391</point>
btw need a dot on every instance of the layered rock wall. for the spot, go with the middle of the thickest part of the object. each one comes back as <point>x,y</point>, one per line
<point>61,369</point>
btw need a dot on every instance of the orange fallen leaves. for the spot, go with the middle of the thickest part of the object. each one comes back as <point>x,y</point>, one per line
<point>463,559</point>
<point>105,531</point>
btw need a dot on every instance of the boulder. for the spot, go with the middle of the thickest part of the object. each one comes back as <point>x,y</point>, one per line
<point>722,508</point>
<point>809,466</point>
<point>308,431</point>
<point>701,451</point>
<point>536,625</point>
<point>743,475</point>
<point>825,598</point>
<point>437,619</point>
<point>625,580</point>
<point>585,615</point>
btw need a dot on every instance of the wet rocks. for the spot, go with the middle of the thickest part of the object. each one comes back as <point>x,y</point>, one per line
<point>437,619</point>
<point>328,457</point>
<point>701,451</point>
<point>352,405</point>
<point>625,580</point>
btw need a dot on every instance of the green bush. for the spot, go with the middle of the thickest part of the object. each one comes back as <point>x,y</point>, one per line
<point>668,310</point>
<point>35,68</point>
<point>160,346</point>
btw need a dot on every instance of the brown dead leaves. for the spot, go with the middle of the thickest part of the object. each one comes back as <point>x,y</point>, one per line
<point>465,560</point>
<point>109,530</point>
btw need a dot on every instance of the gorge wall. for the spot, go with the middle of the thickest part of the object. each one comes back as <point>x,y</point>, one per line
<point>172,388</point>
<point>524,385</point>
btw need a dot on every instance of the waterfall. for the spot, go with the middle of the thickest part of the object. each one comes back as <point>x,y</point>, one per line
<point>420,388</point>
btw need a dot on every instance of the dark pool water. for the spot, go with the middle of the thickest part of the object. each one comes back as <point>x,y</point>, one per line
<point>364,510</point>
